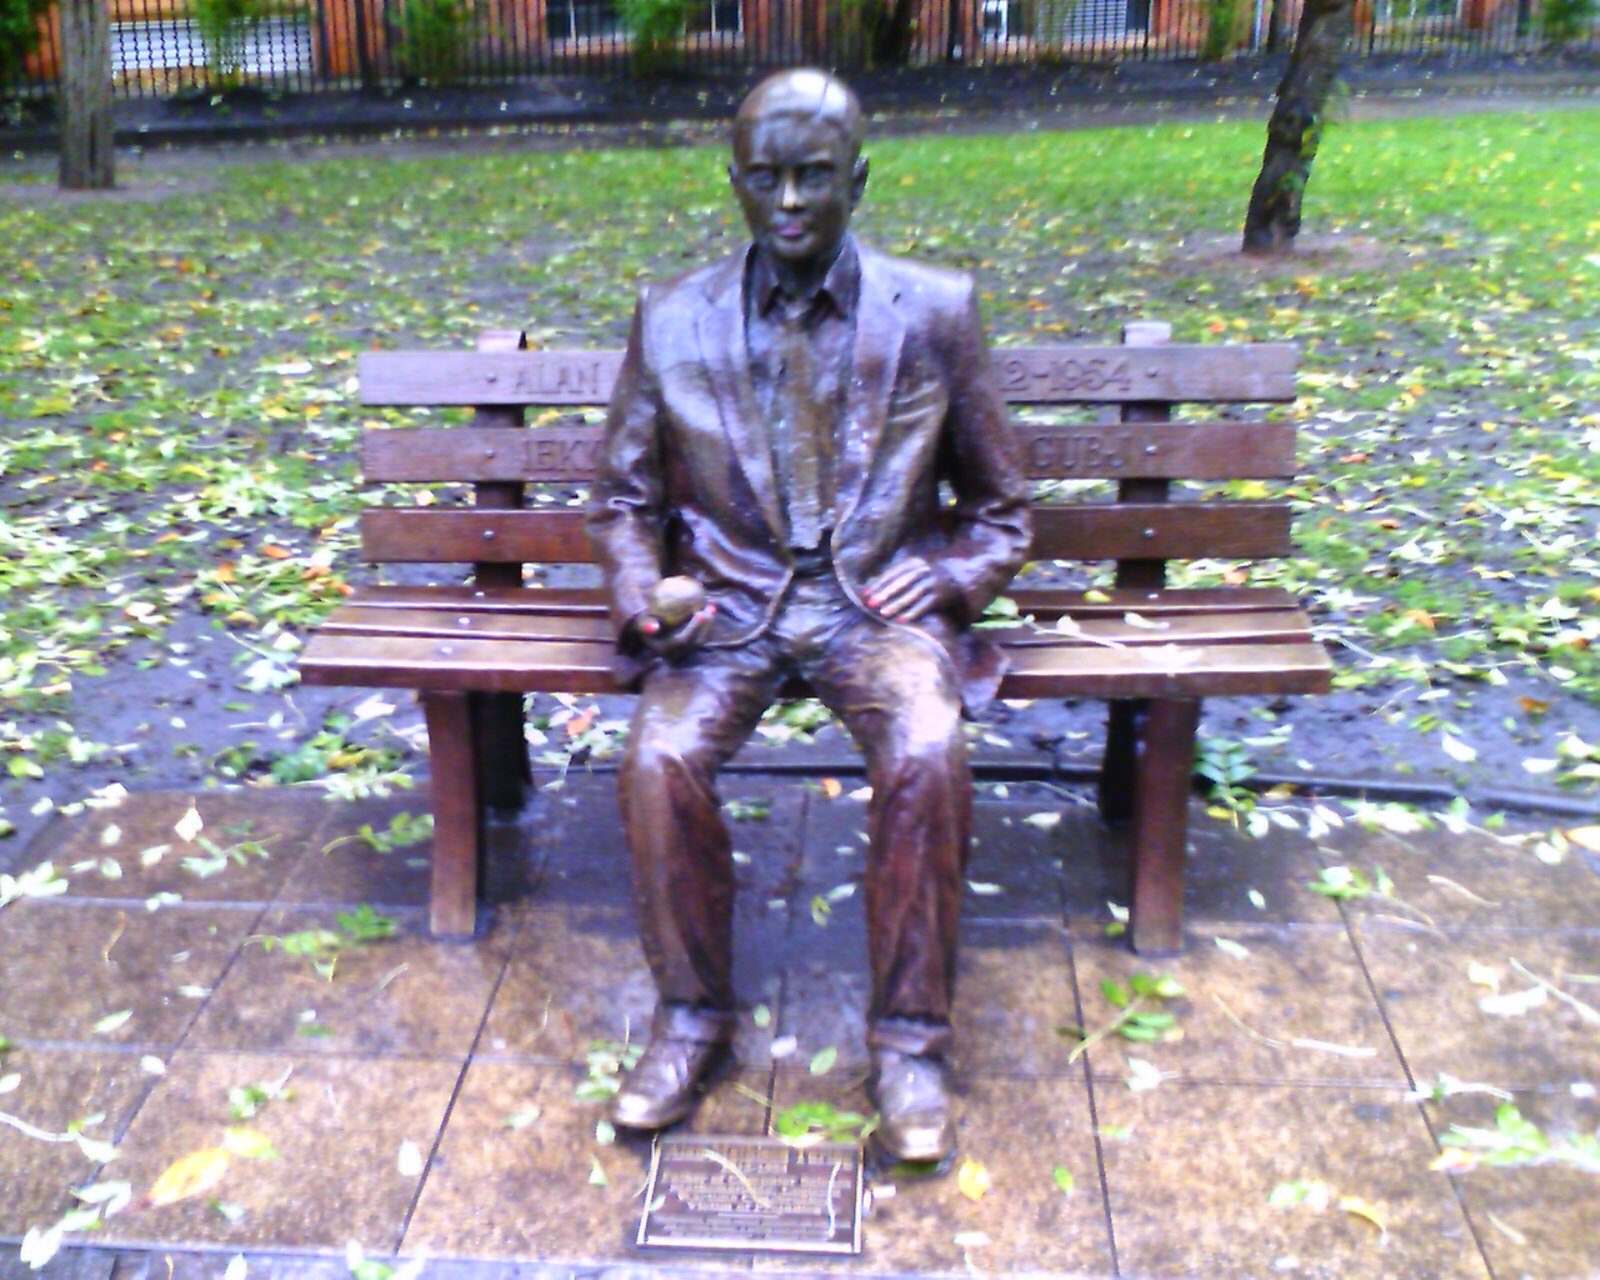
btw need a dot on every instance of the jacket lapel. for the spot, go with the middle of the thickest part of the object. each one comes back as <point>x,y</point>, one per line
<point>879,332</point>
<point>726,358</point>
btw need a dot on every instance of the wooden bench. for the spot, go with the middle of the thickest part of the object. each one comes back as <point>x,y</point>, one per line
<point>472,651</point>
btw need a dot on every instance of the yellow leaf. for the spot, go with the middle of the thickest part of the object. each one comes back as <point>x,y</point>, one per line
<point>832,788</point>
<point>274,552</point>
<point>1585,838</point>
<point>191,1175</point>
<point>973,1180</point>
<point>1359,1208</point>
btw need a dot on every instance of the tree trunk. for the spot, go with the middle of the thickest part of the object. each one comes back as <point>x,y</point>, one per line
<point>1275,26</point>
<point>1295,130</point>
<point>891,38</point>
<point>88,161</point>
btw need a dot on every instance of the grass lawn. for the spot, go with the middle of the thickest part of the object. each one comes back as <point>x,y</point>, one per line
<point>177,465</point>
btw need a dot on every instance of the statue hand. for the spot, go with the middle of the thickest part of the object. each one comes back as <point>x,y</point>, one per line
<point>908,589</point>
<point>675,642</point>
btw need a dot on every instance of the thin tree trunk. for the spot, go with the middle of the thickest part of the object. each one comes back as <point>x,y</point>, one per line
<point>1295,130</point>
<point>891,41</point>
<point>1275,26</point>
<point>88,161</point>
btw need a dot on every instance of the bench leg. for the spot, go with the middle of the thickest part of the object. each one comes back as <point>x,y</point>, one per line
<point>501,750</point>
<point>1119,765</point>
<point>1165,778</point>
<point>453,900</point>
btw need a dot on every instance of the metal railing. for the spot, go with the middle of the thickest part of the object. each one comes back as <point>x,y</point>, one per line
<point>161,48</point>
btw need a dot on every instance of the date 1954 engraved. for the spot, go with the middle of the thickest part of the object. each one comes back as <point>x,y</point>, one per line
<point>753,1194</point>
<point>1046,374</point>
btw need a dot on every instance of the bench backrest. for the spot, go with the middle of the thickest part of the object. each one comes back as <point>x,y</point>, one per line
<point>1144,451</point>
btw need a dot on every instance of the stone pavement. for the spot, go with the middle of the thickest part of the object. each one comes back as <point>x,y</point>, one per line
<point>425,1103</point>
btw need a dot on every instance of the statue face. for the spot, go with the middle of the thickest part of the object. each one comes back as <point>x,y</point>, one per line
<point>797,187</point>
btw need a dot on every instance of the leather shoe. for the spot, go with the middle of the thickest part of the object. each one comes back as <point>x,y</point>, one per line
<point>912,1093</point>
<point>664,1085</point>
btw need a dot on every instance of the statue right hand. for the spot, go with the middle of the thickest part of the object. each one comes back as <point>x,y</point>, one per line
<point>676,642</point>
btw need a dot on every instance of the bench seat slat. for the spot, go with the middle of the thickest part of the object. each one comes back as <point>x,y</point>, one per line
<point>1282,625</point>
<point>1262,371</point>
<point>1112,531</point>
<point>1098,451</point>
<point>1161,671</point>
<point>1042,602</point>
<point>484,666</point>
<point>510,666</point>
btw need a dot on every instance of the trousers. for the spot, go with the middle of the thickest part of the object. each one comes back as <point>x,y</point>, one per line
<point>896,693</point>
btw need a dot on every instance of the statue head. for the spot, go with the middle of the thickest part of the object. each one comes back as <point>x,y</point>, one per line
<point>797,166</point>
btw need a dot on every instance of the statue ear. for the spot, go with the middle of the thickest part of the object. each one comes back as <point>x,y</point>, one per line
<point>733,174</point>
<point>858,181</point>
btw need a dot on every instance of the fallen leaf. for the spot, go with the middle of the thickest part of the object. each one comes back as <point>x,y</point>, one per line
<point>408,1161</point>
<point>1584,837</point>
<point>1514,1003</point>
<point>831,788</point>
<point>973,1180</point>
<point>190,825</point>
<point>189,1176</point>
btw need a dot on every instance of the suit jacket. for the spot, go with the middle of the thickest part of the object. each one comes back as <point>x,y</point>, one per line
<point>926,462</point>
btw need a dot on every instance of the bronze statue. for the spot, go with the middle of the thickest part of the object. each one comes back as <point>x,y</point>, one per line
<point>810,432</point>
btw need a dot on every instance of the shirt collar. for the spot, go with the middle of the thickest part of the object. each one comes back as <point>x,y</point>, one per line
<point>840,287</point>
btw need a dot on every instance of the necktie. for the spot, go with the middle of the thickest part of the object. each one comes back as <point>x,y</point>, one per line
<point>805,436</point>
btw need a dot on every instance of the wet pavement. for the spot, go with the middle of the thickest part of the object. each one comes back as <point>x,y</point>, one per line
<point>420,1098</point>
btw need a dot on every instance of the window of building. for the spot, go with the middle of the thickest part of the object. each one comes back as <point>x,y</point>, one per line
<point>586,19</point>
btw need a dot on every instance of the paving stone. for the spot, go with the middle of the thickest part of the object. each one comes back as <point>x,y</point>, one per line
<point>1190,1168</point>
<point>1013,988</point>
<point>1224,869</point>
<point>410,994</point>
<point>1536,1220</point>
<point>582,858</point>
<point>344,869</point>
<point>1432,1003</point>
<point>265,836</point>
<point>338,1138</point>
<point>578,976</point>
<point>1297,983</point>
<point>1021,1131</point>
<point>1015,866</point>
<point>58,1087</point>
<point>67,965</point>
<point>495,1191</point>
<point>1474,879</point>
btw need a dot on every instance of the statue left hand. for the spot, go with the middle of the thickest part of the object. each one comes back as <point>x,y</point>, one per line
<point>908,589</point>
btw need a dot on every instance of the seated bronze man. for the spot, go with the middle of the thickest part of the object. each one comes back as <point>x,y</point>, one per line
<point>810,431</point>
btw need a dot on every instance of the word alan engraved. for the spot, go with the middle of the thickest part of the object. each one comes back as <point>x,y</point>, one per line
<point>753,1194</point>
<point>565,377</point>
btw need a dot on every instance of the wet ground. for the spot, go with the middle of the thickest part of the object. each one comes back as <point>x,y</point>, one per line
<point>420,1098</point>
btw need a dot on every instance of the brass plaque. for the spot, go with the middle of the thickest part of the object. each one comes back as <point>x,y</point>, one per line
<point>728,1192</point>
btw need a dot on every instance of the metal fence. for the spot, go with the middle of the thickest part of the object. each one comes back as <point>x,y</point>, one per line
<point>165,47</point>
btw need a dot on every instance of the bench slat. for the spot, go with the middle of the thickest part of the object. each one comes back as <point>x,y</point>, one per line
<point>1261,371</point>
<point>1159,671</point>
<point>511,666</point>
<point>1042,602</point>
<point>1111,531</point>
<point>1279,626</point>
<point>1129,450</point>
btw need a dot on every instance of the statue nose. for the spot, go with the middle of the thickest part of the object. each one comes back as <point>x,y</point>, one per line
<point>789,194</point>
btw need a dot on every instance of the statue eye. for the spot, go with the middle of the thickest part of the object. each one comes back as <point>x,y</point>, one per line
<point>762,180</point>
